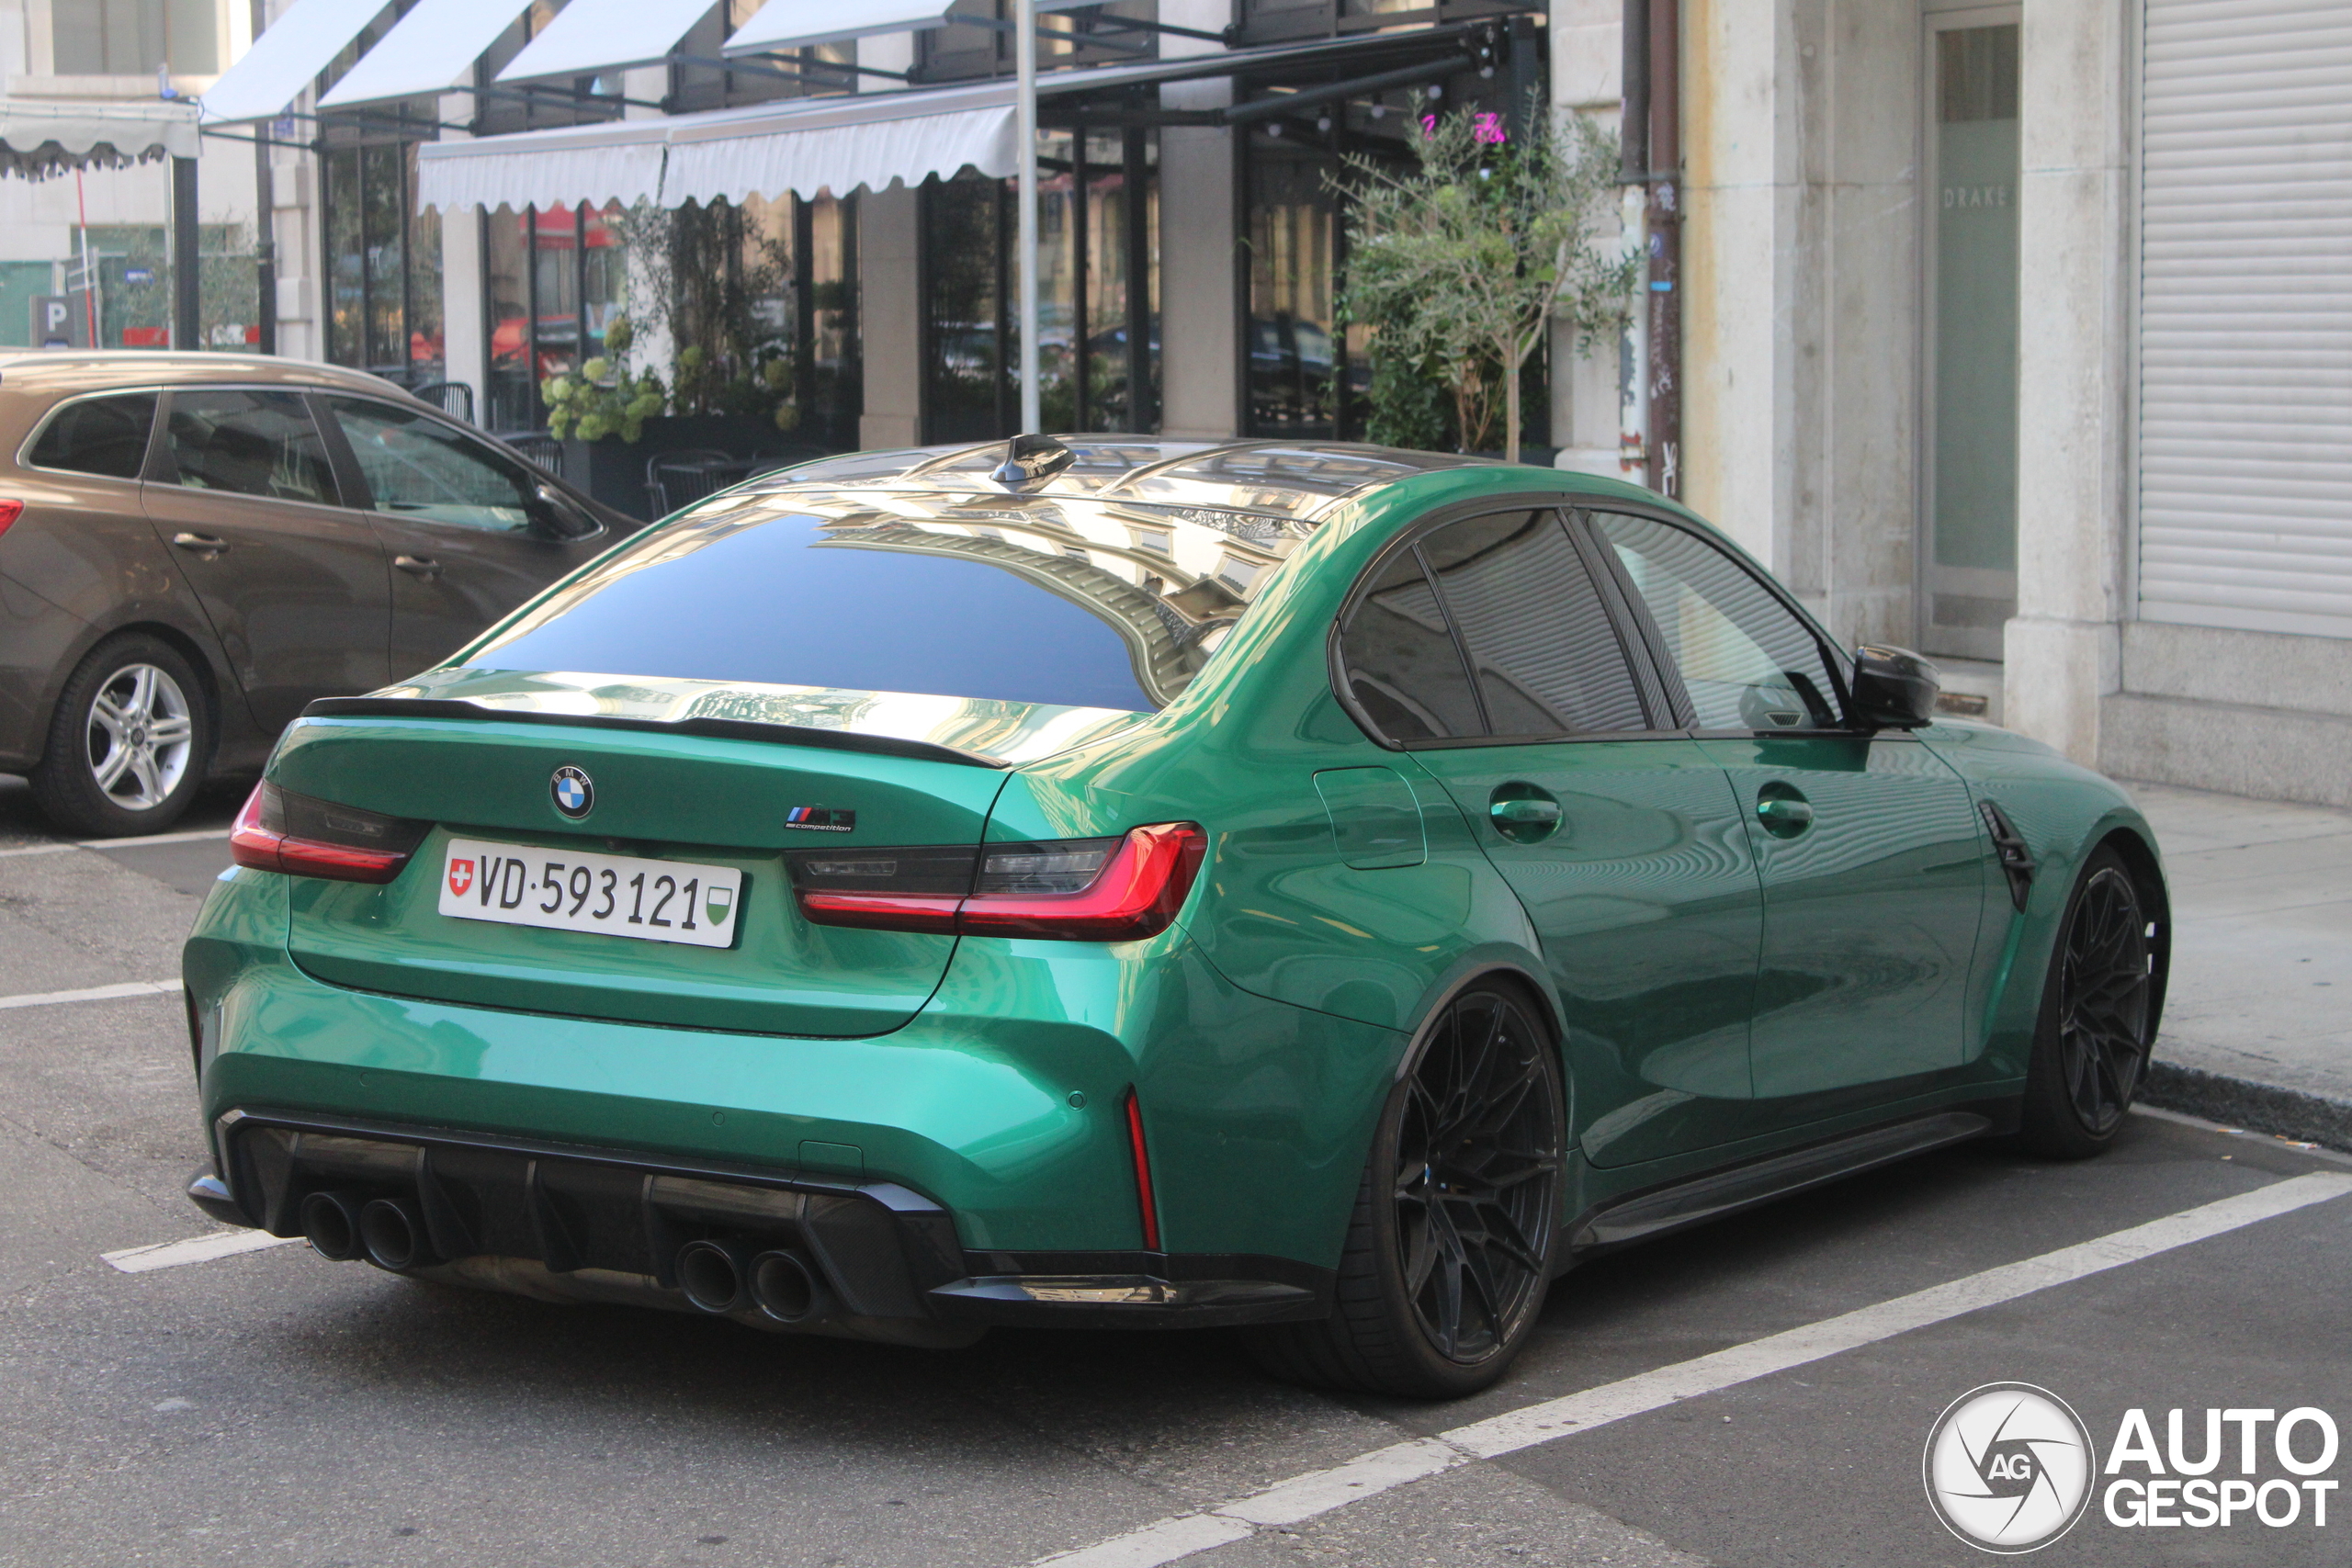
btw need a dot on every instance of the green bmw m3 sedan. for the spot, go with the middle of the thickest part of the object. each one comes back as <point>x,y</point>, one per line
<point>1315,890</point>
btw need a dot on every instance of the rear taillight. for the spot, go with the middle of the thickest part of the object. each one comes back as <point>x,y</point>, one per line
<point>1069,889</point>
<point>279,830</point>
<point>9,511</point>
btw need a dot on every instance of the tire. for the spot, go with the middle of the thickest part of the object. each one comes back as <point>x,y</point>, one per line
<point>2099,1016</point>
<point>130,742</point>
<point>1450,1247</point>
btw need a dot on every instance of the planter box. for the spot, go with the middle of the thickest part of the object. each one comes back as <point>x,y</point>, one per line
<point>613,470</point>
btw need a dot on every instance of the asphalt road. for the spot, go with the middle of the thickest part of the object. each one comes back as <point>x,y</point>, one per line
<point>272,1408</point>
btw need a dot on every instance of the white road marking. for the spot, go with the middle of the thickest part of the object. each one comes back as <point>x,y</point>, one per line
<point>1318,1492</point>
<point>93,994</point>
<point>193,836</point>
<point>196,1249</point>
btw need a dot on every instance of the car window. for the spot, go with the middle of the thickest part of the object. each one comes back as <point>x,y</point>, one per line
<point>1399,660</point>
<point>417,467</point>
<point>1548,659</point>
<point>1747,661</point>
<point>248,442</point>
<point>107,436</point>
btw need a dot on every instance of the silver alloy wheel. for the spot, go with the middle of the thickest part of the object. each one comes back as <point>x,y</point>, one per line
<point>141,732</point>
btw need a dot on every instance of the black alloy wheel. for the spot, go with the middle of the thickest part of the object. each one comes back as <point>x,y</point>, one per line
<point>2098,1014</point>
<point>1455,1228</point>
<point>1476,1183</point>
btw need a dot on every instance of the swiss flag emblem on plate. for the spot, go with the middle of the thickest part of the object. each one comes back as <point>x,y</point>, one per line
<point>461,875</point>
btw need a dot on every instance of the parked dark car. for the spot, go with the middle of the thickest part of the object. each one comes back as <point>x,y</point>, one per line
<point>195,545</point>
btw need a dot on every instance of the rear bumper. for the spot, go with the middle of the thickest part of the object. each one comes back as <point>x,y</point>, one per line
<point>560,1219</point>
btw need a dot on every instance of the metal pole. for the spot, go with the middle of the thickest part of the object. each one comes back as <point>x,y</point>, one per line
<point>264,222</point>
<point>188,277</point>
<point>1024,44</point>
<point>1663,221</point>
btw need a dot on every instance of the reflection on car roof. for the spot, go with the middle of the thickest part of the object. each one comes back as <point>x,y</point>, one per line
<point>1297,481</point>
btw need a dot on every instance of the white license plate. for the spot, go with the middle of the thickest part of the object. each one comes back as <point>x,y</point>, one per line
<point>566,891</point>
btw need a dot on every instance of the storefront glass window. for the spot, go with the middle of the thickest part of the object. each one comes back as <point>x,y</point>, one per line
<point>383,263</point>
<point>1098,272</point>
<point>1294,231</point>
<point>131,274</point>
<point>556,279</point>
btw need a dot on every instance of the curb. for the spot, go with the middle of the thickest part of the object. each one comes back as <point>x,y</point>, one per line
<point>2258,1107</point>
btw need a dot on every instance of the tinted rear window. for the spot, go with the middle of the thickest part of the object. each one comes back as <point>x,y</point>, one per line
<point>1061,605</point>
<point>107,436</point>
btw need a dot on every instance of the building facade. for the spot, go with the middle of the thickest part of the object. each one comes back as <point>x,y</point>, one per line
<point>2016,333</point>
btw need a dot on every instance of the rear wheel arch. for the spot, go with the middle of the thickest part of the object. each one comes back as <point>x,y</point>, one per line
<point>1528,989</point>
<point>2139,857</point>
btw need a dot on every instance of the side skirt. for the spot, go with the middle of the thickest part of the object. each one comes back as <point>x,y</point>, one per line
<point>1639,1216</point>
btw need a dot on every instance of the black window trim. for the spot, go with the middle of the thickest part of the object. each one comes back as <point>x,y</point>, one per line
<point>1833,658</point>
<point>1562,508</point>
<point>162,470</point>
<point>25,451</point>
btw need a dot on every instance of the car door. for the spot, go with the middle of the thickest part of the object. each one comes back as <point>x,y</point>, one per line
<point>1484,650</point>
<point>241,489</point>
<point>466,530</point>
<point>1874,863</point>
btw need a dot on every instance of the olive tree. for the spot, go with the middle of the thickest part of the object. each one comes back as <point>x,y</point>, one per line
<point>1461,259</point>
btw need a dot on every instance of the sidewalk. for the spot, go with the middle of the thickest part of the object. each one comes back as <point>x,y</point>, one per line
<point>2258,1026</point>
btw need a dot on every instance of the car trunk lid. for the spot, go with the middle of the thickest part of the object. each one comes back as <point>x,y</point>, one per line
<point>689,775</point>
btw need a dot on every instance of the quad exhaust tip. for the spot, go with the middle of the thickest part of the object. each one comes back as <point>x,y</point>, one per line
<point>711,1274</point>
<point>721,1276</point>
<point>788,1288</point>
<point>330,1224</point>
<point>391,1235</point>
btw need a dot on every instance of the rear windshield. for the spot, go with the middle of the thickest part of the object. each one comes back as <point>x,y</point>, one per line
<point>1068,603</point>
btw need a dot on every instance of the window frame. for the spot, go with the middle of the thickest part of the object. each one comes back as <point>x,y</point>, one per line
<point>1653,696</point>
<point>1833,658</point>
<point>57,410</point>
<point>351,480</point>
<point>161,468</point>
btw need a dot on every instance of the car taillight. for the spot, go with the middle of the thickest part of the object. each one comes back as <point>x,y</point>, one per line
<point>1068,889</point>
<point>9,511</point>
<point>280,830</point>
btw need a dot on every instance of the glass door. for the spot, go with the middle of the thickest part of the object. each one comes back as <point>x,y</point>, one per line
<point>1968,587</point>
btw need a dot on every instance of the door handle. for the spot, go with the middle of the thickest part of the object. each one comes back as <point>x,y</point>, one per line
<point>418,566</point>
<point>202,544</point>
<point>1783,812</point>
<point>1522,812</point>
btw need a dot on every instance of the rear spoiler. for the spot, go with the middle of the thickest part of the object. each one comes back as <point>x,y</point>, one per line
<point>710,729</point>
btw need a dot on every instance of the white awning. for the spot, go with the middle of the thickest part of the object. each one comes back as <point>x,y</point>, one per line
<point>794,24</point>
<point>592,36</point>
<point>863,140</point>
<point>843,144</point>
<point>285,59</point>
<point>617,161</point>
<point>37,140</point>
<point>805,145</point>
<point>790,24</point>
<point>436,43</point>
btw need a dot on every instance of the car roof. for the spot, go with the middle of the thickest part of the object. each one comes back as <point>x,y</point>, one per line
<point>1296,481</point>
<point>61,372</point>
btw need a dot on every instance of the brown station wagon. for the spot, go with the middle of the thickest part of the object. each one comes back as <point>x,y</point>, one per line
<point>195,545</point>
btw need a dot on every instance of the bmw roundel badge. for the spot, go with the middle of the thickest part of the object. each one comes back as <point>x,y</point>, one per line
<point>573,793</point>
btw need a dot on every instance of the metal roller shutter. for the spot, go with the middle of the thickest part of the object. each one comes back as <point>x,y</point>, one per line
<point>2246,315</point>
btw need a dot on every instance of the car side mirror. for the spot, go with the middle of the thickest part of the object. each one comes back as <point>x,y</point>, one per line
<point>559,517</point>
<point>1895,688</point>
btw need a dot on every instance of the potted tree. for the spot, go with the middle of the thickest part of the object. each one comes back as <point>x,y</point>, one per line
<point>1461,260</point>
